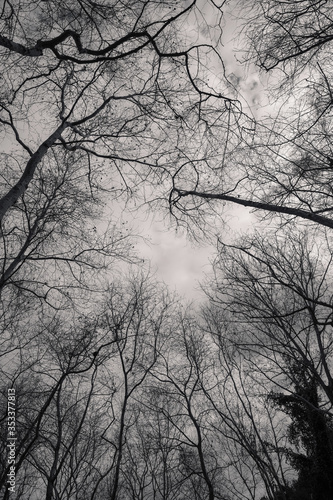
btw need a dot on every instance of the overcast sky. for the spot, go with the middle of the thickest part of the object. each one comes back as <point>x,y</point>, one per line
<point>175,260</point>
<point>178,262</point>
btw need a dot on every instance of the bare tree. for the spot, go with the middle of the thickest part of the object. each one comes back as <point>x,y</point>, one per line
<point>116,83</point>
<point>281,163</point>
<point>283,170</point>
<point>248,432</point>
<point>179,398</point>
<point>291,37</point>
<point>75,389</point>
<point>271,309</point>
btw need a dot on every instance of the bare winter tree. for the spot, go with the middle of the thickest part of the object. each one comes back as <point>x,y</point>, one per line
<point>180,403</point>
<point>291,37</point>
<point>109,83</point>
<point>76,387</point>
<point>119,395</point>
<point>282,165</point>
<point>274,301</point>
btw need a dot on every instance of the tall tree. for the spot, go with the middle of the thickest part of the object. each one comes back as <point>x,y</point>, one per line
<point>311,431</point>
<point>113,83</point>
<point>76,386</point>
<point>270,313</point>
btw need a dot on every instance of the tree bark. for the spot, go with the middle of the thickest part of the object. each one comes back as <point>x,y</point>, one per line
<point>268,207</point>
<point>22,184</point>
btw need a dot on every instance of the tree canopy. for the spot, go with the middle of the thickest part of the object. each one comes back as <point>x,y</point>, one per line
<point>113,387</point>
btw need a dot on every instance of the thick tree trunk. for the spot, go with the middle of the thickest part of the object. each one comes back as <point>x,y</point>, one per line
<point>22,184</point>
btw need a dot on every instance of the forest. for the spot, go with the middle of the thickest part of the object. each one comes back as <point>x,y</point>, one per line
<point>113,386</point>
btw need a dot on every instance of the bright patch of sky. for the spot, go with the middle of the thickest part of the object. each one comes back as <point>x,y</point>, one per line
<point>179,263</point>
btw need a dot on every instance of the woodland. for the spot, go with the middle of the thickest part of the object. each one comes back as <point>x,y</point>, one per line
<point>120,389</point>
